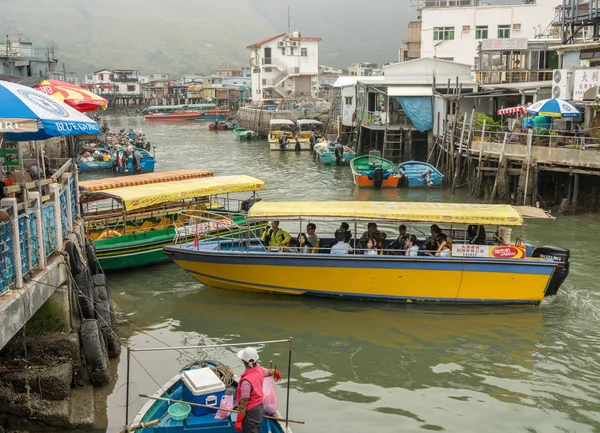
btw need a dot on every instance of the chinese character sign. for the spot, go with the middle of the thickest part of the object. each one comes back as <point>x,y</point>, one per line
<point>584,80</point>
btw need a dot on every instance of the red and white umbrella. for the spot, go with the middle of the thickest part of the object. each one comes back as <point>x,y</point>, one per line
<point>521,109</point>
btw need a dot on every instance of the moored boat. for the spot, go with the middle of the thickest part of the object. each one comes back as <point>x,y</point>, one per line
<point>96,160</point>
<point>278,128</point>
<point>176,115</point>
<point>202,397</point>
<point>133,223</point>
<point>325,153</point>
<point>306,128</point>
<point>216,113</point>
<point>374,171</point>
<point>420,174</point>
<point>246,134</point>
<point>495,270</point>
<point>146,162</point>
<point>222,125</point>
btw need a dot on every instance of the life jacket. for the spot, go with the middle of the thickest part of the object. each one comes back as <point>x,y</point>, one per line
<point>255,376</point>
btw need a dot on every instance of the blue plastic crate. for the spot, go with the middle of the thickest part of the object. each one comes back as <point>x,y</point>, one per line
<point>7,268</point>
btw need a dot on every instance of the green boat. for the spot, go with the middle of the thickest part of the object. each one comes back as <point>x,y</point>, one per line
<point>246,134</point>
<point>130,225</point>
<point>374,171</point>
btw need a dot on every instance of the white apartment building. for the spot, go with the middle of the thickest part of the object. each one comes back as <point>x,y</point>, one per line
<point>124,82</point>
<point>453,29</point>
<point>284,66</point>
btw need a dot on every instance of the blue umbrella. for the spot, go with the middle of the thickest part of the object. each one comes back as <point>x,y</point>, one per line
<point>28,114</point>
<point>553,108</point>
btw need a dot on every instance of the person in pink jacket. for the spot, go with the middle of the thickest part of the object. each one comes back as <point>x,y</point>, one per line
<point>249,391</point>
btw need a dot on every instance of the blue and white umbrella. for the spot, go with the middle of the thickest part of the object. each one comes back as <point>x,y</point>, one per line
<point>553,108</point>
<point>28,114</point>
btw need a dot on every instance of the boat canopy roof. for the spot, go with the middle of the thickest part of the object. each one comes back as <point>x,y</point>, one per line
<point>142,179</point>
<point>281,122</point>
<point>447,213</point>
<point>178,107</point>
<point>143,196</point>
<point>308,122</point>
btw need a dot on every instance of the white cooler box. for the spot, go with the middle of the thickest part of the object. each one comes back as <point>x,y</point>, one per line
<point>202,386</point>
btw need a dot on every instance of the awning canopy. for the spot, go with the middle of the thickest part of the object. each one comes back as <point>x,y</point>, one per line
<point>140,197</point>
<point>446,213</point>
<point>282,122</point>
<point>142,179</point>
<point>308,122</point>
<point>410,91</point>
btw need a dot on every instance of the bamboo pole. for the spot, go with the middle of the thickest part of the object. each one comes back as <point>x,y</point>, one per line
<point>500,161</point>
<point>528,162</point>
<point>459,153</point>
<point>479,171</point>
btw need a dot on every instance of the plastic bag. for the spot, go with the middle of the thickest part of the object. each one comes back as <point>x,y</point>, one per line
<point>269,396</point>
<point>226,403</point>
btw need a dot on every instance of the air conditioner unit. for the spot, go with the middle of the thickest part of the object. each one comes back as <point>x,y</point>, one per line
<point>516,27</point>
<point>467,28</point>
<point>562,83</point>
<point>281,44</point>
<point>295,43</point>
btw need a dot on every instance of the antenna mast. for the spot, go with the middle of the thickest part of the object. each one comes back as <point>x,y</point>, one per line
<point>289,21</point>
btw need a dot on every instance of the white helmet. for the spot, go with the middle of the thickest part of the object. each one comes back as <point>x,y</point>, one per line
<point>249,354</point>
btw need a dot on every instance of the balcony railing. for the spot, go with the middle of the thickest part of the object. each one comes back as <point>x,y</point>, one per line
<point>499,76</point>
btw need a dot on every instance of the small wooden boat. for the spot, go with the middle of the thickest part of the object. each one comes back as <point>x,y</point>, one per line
<point>374,171</point>
<point>180,115</point>
<point>147,162</point>
<point>325,153</point>
<point>420,174</point>
<point>157,414</point>
<point>246,134</point>
<point>222,125</point>
<point>140,215</point>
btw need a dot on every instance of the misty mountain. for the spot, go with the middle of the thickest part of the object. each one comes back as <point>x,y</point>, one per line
<point>192,36</point>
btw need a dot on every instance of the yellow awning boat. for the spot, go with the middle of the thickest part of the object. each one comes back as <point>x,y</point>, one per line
<point>489,272</point>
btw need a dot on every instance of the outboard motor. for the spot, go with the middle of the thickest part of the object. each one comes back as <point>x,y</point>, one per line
<point>249,135</point>
<point>378,177</point>
<point>559,255</point>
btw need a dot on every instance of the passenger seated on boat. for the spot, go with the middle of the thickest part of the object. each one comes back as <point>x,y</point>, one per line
<point>413,248</point>
<point>372,232</point>
<point>476,233</point>
<point>341,246</point>
<point>431,245</point>
<point>371,248</point>
<point>312,237</point>
<point>302,245</point>
<point>344,229</point>
<point>443,249</point>
<point>276,237</point>
<point>400,245</point>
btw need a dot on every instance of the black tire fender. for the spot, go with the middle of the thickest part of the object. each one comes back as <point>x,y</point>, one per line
<point>108,326</point>
<point>95,352</point>
<point>84,295</point>
<point>74,257</point>
<point>90,253</point>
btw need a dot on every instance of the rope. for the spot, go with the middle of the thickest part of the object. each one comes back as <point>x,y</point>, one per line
<point>225,373</point>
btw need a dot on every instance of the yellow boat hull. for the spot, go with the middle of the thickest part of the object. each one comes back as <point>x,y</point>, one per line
<point>390,279</point>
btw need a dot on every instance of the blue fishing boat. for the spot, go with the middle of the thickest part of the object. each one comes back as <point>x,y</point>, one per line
<point>99,159</point>
<point>148,161</point>
<point>420,174</point>
<point>325,153</point>
<point>190,400</point>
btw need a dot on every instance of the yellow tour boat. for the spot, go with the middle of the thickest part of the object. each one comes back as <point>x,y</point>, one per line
<point>495,270</point>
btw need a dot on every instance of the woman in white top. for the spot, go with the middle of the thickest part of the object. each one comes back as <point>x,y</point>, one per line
<point>371,247</point>
<point>413,248</point>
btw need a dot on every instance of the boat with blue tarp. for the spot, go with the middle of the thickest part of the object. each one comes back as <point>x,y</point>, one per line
<point>486,269</point>
<point>420,174</point>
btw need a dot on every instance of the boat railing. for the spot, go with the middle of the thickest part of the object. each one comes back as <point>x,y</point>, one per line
<point>208,226</point>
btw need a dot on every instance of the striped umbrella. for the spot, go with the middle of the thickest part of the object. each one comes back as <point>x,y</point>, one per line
<point>553,108</point>
<point>74,96</point>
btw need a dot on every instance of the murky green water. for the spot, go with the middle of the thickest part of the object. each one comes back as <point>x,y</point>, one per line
<point>370,367</point>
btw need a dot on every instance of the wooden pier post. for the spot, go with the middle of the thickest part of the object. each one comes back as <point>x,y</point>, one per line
<point>459,154</point>
<point>479,163</point>
<point>575,193</point>
<point>500,162</point>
